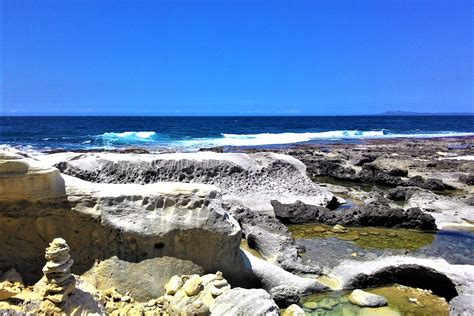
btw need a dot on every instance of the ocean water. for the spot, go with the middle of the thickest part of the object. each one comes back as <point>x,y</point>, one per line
<point>192,133</point>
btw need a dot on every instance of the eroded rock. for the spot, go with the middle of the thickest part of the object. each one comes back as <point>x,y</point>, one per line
<point>365,299</point>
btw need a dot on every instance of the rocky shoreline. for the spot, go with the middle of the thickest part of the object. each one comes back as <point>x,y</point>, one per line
<point>155,234</point>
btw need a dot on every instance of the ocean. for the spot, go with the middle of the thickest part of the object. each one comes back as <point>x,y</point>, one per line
<point>191,133</point>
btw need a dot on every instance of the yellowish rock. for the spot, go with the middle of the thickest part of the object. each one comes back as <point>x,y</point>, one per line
<point>339,229</point>
<point>193,285</point>
<point>173,285</point>
<point>293,310</point>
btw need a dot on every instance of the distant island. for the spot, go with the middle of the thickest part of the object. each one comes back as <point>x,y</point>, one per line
<point>408,113</point>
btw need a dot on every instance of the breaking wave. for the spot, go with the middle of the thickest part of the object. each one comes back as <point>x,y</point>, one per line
<point>290,138</point>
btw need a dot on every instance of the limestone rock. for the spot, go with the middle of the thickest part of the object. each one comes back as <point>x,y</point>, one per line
<point>58,283</point>
<point>26,178</point>
<point>132,221</point>
<point>339,229</point>
<point>145,279</point>
<point>197,295</point>
<point>198,308</point>
<point>365,299</point>
<point>173,285</point>
<point>293,310</point>
<point>253,179</point>
<point>240,301</point>
<point>193,285</point>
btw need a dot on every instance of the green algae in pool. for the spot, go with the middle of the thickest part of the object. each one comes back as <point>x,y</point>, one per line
<point>368,237</point>
<point>402,300</point>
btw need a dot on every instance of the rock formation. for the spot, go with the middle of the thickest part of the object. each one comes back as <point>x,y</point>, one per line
<point>365,299</point>
<point>372,214</point>
<point>240,301</point>
<point>453,282</point>
<point>193,294</point>
<point>58,283</point>
<point>251,179</point>
<point>131,221</point>
<point>26,178</point>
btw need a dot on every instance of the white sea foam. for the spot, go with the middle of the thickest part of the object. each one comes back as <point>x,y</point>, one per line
<point>127,137</point>
<point>143,135</point>
<point>261,139</point>
<point>290,138</point>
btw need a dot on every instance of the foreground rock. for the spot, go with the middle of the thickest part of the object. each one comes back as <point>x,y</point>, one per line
<point>131,221</point>
<point>372,214</point>
<point>271,238</point>
<point>365,299</point>
<point>251,179</point>
<point>194,294</point>
<point>144,280</point>
<point>453,282</point>
<point>240,301</point>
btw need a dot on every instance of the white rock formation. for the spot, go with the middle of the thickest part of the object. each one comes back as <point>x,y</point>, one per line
<point>252,179</point>
<point>131,221</point>
<point>26,178</point>
<point>454,282</point>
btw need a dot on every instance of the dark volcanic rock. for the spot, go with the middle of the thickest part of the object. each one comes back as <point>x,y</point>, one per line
<point>374,174</point>
<point>285,295</point>
<point>297,213</point>
<point>467,179</point>
<point>428,184</point>
<point>401,193</point>
<point>368,215</point>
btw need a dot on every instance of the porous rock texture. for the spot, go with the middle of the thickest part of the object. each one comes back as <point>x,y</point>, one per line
<point>252,179</point>
<point>453,282</point>
<point>271,238</point>
<point>238,301</point>
<point>372,214</point>
<point>131,221</point>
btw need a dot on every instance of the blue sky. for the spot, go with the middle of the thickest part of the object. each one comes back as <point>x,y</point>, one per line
<point>236,57</point>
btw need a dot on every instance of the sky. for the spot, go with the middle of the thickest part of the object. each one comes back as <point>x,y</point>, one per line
<point>314,57</point>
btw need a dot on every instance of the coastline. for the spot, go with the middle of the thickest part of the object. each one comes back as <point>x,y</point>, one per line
<point>189,213</point>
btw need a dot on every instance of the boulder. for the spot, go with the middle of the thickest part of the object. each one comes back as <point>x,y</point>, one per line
<point>372,214</point>
<point>285,295</point>
<point>293,310</point>
<point>365,299</point>
<point>239,301</point>
<point>145,280</point>
<point>173,285</point>
<point>193,285</point>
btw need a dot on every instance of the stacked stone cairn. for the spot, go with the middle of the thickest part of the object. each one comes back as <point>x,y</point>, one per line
<point>193,294</point>
<point>58,282</point>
